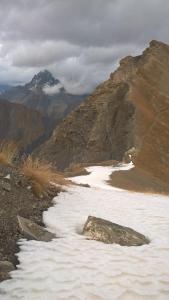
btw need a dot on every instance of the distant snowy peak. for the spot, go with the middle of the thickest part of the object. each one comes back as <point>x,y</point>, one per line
<point>41,80</point>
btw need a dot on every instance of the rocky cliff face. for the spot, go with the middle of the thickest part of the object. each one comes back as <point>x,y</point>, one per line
<point>130,109</point>
<point>18,123</point>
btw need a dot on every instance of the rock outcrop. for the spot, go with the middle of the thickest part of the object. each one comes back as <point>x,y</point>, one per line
<point>105,231</point>
<point>130,109</point>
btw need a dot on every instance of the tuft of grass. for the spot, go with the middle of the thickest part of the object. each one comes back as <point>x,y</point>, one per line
<point>8,152</point>
<point>41,176</point>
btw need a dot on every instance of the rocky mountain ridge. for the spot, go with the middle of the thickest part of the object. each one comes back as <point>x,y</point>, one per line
<point>128,110</point>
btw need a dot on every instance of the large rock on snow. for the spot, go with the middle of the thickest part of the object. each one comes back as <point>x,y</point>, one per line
<point>105,231</point>
<point>33,231</point>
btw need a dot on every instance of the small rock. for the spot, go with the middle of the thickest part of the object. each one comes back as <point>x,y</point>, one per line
<point>105,231</point>
<point>4,276</point>
<point>7,177</point>
<point>130,155</point>
<point>84,185</point>
<point>5,186</point>
<point>6,266</point>
<point>33,231</point>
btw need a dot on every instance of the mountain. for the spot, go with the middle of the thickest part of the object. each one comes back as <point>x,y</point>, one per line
<point>41,79</point>
<point>45,94</point>
<point>17,123</point>
<point>128,111</point>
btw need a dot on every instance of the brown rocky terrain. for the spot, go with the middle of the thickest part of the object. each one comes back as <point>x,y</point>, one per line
<point>139,180</point>
<point>130,109</point>
<point>23,125</point>
<point>17,199</point>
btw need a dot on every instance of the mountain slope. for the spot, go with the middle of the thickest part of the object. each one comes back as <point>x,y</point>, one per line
<point>131,109</point>
<point>45,94</point>
<point>4,87</point>
<point>17,123</point>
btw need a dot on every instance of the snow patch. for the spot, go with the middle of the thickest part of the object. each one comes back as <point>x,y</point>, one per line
<point>99,175</point>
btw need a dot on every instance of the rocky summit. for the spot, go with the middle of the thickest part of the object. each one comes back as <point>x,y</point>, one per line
<point>128,111</point>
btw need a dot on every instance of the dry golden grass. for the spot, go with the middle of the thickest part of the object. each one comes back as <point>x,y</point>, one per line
<point>8,152</point>
<point>41,176</point>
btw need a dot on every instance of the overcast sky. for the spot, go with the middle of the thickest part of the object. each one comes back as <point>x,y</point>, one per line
<point>80,41</point>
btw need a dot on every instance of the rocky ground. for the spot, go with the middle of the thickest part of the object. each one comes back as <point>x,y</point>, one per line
<point>16,198</point>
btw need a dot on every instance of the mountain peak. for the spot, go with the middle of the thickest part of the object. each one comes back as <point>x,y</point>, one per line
<point>155,43</point>
<point>43,78</point>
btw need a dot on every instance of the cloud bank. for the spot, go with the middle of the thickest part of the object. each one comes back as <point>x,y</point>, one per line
<point>51,90</point>
<point>79,41</point>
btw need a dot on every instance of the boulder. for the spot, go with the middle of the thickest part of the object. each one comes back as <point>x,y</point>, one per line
<point>33,231</point>
<point>5,268</point>
<point>105,231</point>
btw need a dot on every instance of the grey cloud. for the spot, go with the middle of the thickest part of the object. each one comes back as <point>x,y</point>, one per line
<point>79,40</point>
<point>89,22</point>
<point>42,54</point>
<point>51,90</point>
<point>107,55</point>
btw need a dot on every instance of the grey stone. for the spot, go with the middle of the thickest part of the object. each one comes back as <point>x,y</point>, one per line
<point>6,266</point>
<point>33,231</point>
<point>105,231</point>
<point>5,186</point>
